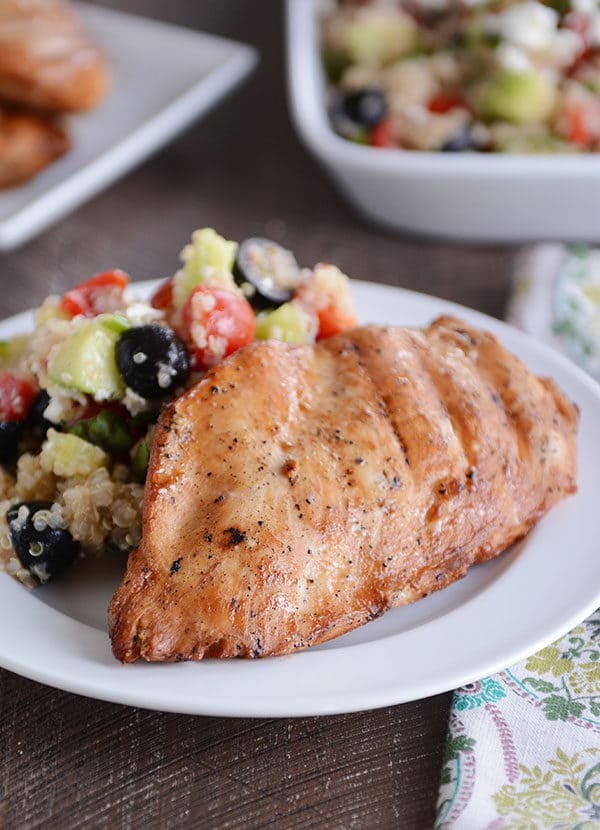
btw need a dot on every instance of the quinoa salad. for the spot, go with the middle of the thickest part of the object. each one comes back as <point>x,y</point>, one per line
<point>508,76</point>
<point>81,392</point>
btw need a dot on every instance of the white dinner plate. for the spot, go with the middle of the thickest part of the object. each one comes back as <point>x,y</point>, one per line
<point>500,612</point>
<point>163,78</point>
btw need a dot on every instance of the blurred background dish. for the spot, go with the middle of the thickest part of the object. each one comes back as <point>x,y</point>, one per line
<point>133,121</point>
<point>478,196</point>
<point>449,75</point>
<point>28,143</point>
<point>47,61</point>
<point>48,67</point>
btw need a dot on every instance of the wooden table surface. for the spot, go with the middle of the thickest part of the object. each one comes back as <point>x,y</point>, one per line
<point>68,761</point>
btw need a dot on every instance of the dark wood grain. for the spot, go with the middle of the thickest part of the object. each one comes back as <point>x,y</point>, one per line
<point>68,761</point>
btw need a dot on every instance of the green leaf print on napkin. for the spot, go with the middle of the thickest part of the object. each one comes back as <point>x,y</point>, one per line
<point>547,661</point>
<point>559,708</point>
<point>570,685</point>
<point>455,744</point>
<point>566,794</point>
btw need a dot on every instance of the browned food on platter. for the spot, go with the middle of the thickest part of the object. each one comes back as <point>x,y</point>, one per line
<point>46,60</point>
<point>298,492</point>
<point>27,144</point>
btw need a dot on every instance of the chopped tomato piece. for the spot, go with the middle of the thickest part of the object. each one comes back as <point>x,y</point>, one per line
<point>216,322</point>
<point>16,396</point>
<point>444,102</point>
<point>326,293</point>
<point>102,292</point>
<point>163,296</point>
<point>579,128</point>
<point>333,320</point>
<point>381,134</point>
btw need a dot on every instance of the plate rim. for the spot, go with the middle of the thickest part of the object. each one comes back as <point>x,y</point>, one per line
<point>117,689</point>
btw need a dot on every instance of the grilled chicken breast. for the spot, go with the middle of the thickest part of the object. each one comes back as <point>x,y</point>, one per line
<point>46,60</point>
<point>297,492</point>
<point>27,144</point>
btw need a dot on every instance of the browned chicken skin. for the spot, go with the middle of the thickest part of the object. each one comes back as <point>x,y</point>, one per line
<point>298,492</point>
<point>27,144</point>
<point>46,60</point>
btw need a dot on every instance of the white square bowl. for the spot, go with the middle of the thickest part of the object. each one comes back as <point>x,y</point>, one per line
<point>488,197</point>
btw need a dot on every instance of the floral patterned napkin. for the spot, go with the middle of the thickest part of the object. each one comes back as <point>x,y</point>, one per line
<point>523,748</point>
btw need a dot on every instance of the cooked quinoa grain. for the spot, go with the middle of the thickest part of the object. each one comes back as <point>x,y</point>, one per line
<point>99,510</point>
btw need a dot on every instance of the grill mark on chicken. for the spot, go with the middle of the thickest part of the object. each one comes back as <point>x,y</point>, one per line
<point>385,411</point>
<point>505,400</point>
<point>348,540</point>
<point>454,413</point>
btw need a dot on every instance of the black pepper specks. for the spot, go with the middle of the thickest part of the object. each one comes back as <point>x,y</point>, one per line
<point>236,537</point>
<point>175,566</point>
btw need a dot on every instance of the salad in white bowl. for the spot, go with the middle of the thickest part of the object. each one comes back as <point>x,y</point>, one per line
<point>512,76</point>
<point>530,172</point>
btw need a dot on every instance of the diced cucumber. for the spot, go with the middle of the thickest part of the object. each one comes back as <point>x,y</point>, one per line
<point>208,257</point>
<point>378,37</point>
<point>531,143</point>
<point>67,455</point>
<point>117,322</point>
<point>360,136</point>
<point>11,350</point>
<point>289,323</point>
<point>86,361</point>
<point>518,97</point>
